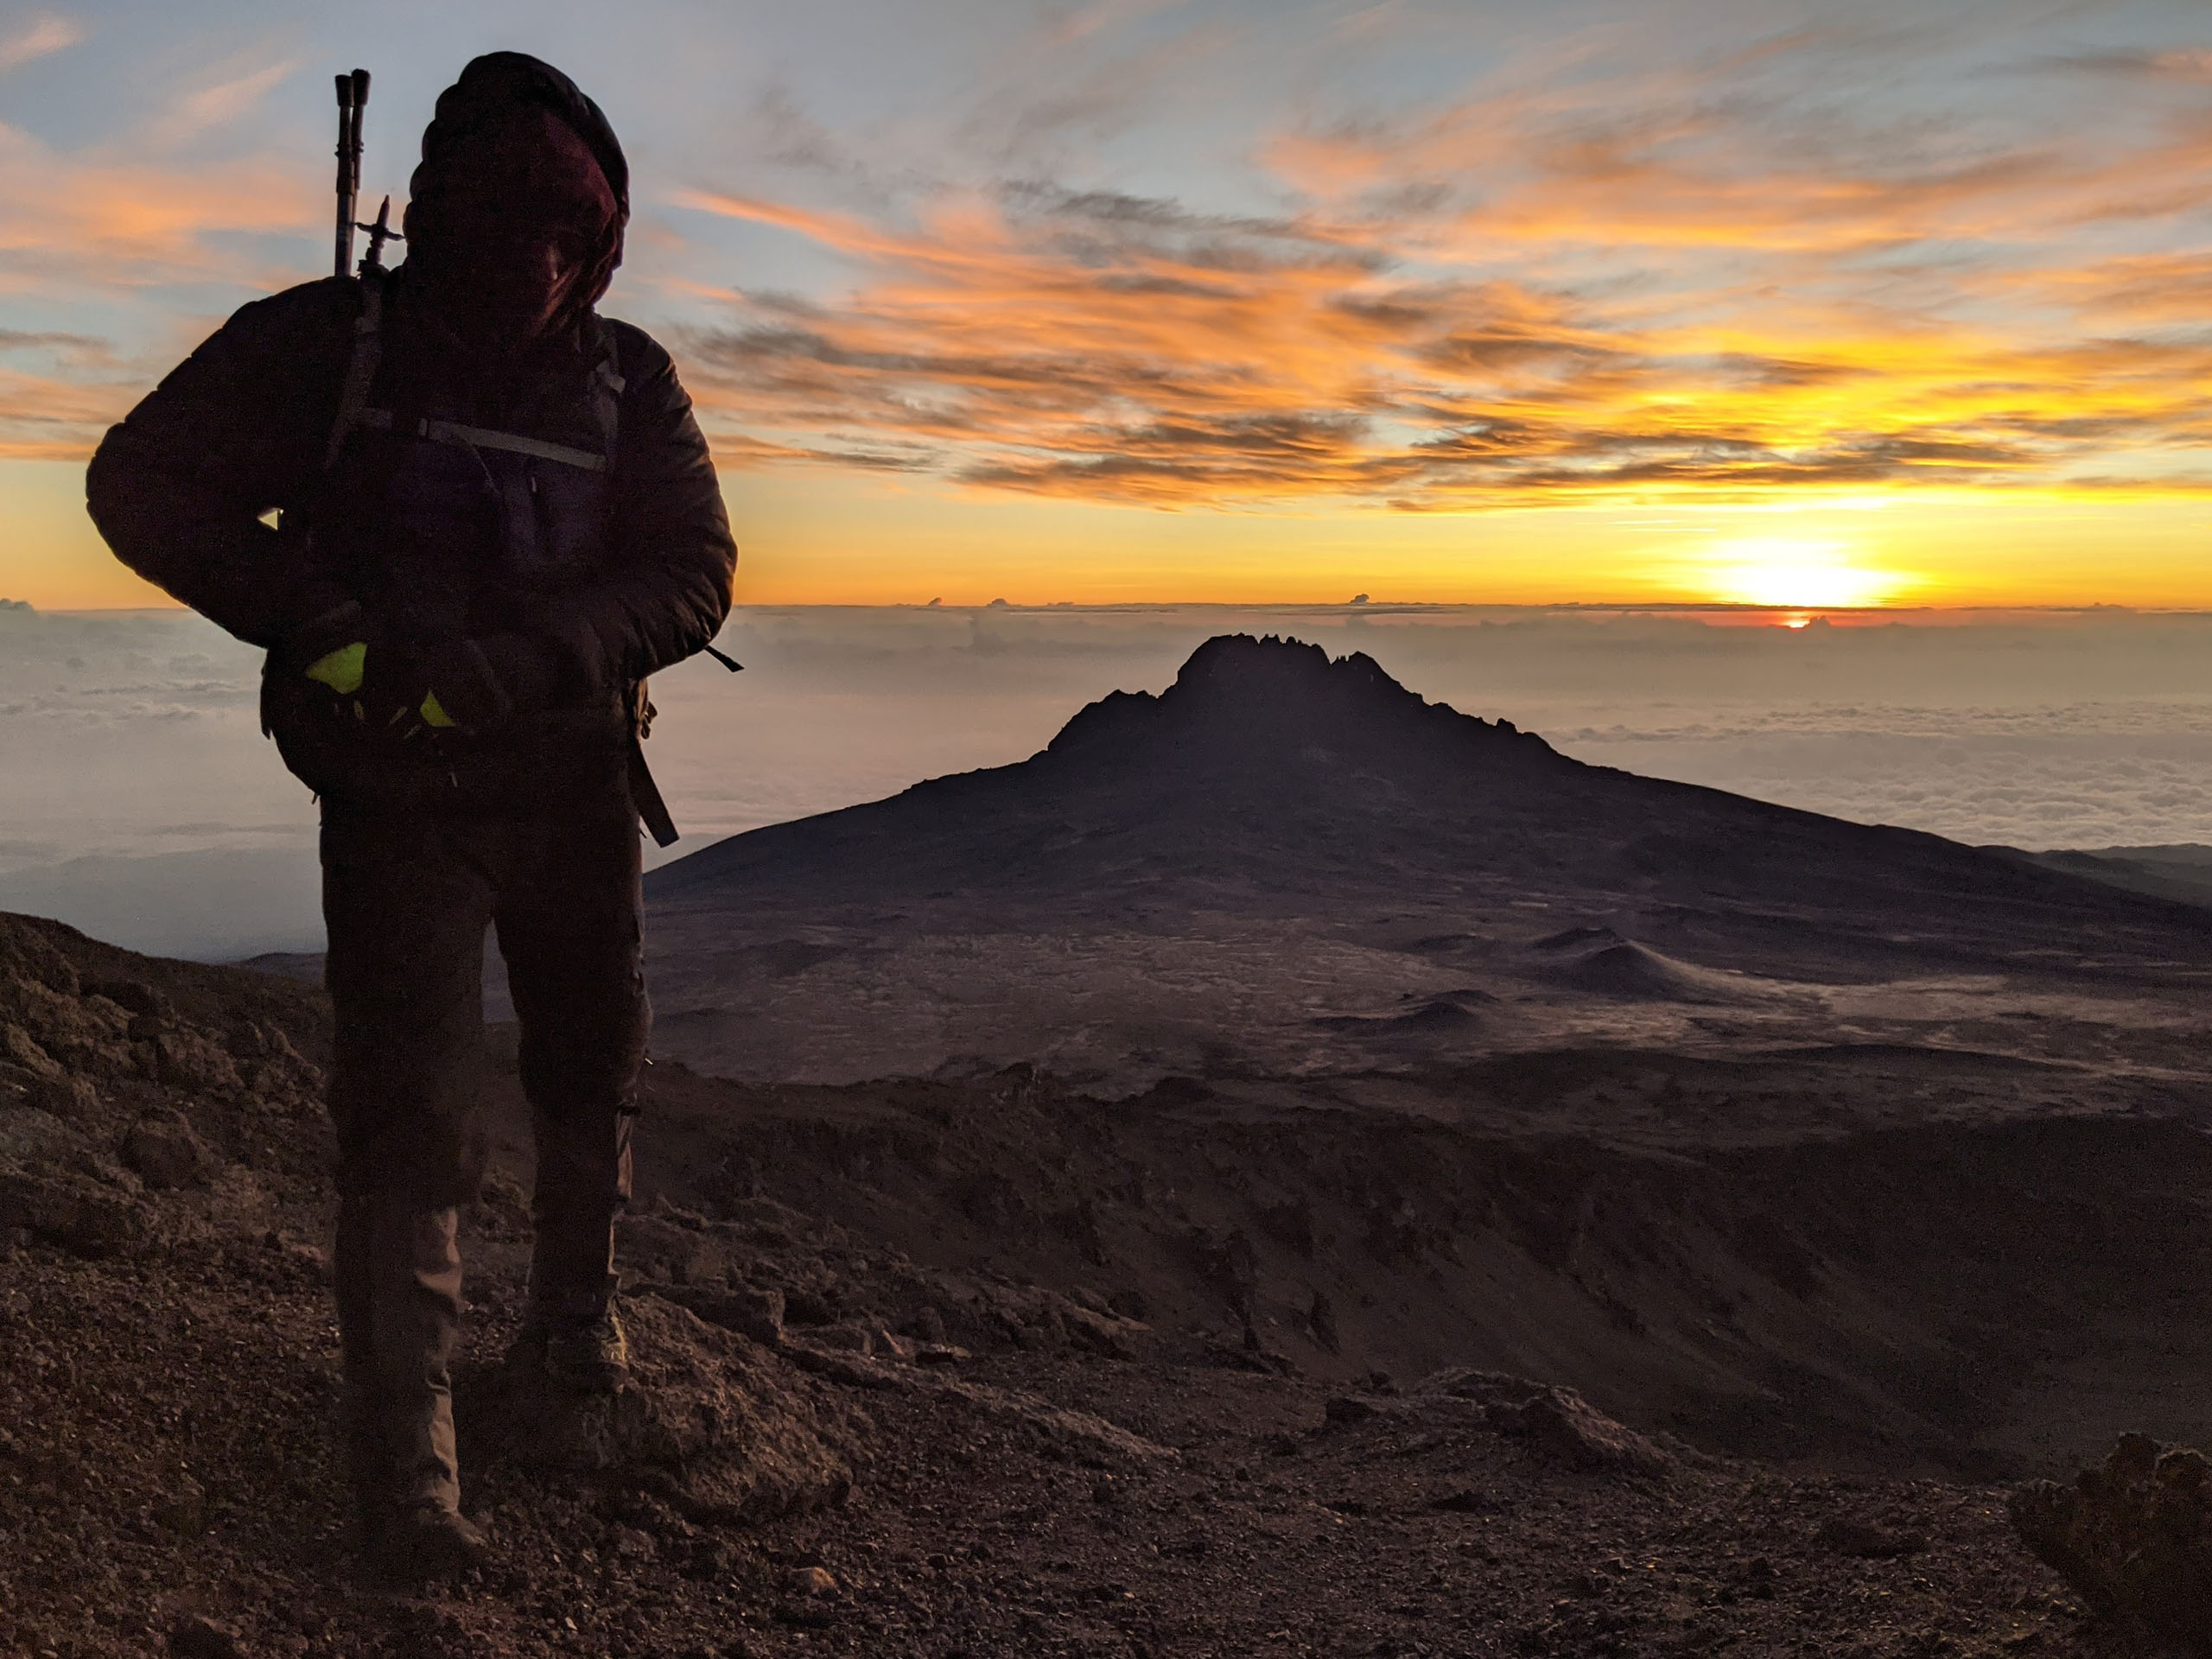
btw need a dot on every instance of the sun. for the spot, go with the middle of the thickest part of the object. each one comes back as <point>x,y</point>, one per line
<point>1797,573</point>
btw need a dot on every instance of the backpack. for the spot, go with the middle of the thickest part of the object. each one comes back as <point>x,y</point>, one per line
<point>345,762</point>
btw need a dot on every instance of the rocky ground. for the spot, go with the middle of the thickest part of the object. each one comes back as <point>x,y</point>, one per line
<point>856,1429</point>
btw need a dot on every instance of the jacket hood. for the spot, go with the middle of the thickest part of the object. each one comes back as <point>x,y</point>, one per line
<point>495,86</point>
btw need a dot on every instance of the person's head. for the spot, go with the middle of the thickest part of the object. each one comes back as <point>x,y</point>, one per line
<point>515,217</point>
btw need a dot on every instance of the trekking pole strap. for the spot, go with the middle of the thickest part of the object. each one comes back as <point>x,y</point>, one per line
<point>360,369</point>
<point>644,795</point>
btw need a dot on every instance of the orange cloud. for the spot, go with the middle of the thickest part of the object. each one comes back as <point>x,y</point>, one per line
<point>1120,348</point>
<point>69,224</point>
<point>121,223</point>
<point>1601,271</point>
<point>44,417</point>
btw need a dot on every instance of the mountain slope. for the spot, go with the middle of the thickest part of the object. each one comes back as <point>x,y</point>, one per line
<point>1264,868</point>
<point>2182,872</point>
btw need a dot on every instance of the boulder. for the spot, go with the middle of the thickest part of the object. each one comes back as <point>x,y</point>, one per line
<point>164,1150</point>
<point>2133,1536</point>
<point>68,1096</point>
<point>1570,1430</point>
<point>55,1185</point>
<point>675,1245</point>
<point>1556,1422</point>
<point>132,995</point>
<point>84,1032</point>
<point>19,1048</point>
<point>30,1135</point>
<point>27,952</point>
<point>758,1314</point>
<point>1103,1333</point>
<point>713,1424</point>
<point>188,1060</point>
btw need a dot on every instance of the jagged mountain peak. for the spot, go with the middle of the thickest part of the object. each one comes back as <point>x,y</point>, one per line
<point>1244,699</point>
<point>1270,768</point>
<point>1240,671</point>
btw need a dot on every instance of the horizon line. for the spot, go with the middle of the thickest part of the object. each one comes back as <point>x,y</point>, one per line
<point>1343,607</point>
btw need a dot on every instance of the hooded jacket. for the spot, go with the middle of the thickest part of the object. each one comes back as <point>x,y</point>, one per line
<point>421,534</point>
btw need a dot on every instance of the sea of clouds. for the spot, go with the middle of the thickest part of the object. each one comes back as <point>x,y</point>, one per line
<point>144,805</point>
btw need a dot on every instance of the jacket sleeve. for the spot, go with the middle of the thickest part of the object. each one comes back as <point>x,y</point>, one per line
<point>666,590</point>
<point>178,487</point>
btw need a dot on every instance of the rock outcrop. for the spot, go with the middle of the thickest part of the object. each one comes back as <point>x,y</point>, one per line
<point>56,1184</point>
<point>2133,1535</point>
<point>1556,1424</point>
<point>710,1422</point>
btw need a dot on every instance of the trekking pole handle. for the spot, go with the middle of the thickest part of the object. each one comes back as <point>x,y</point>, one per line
<point>353,98</point>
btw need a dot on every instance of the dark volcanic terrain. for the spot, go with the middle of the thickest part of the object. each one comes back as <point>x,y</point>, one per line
<point>1291,868</point>
<point>1855,1105</point>
<point>1290,1169</point>
<point>963,1414</point>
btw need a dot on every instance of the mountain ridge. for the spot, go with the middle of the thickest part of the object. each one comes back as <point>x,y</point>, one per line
<point>1189,881</point>
<point>1272,722</point>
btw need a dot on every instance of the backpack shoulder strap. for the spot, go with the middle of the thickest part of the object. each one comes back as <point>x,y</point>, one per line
<point>360,369</point>
<point>606,384</point>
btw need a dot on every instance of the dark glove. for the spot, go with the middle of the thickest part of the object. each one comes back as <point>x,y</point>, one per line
<point>394,680</point>
<point>373,668</point>
<point>330,649</point>
<point>479,685</point>
<point>364,657</point>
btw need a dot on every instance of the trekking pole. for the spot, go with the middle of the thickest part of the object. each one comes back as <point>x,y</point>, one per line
<point>379,233</point>
<point>353,98</point>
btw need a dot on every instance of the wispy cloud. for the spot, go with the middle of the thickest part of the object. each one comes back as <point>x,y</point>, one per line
<point>53,417</point>
<point>78,350</point>
<point>2179,63</point>
<point>1609,263</point>
<point>127,223</point>
<point>161,198</point>
<point>1128,349</point>
<point>1740,266</point>
<point>41,37</point>
<point>114,220</point>
<point>58,392</point>
<point>1601,269</point>
<point>221,102</point>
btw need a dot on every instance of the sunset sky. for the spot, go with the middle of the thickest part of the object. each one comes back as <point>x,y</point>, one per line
<point>1649,301</point>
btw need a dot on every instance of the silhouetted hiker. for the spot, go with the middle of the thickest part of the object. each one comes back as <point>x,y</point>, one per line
<point>498,517</point>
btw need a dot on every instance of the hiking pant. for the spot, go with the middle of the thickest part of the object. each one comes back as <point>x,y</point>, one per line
<point>407,897</point>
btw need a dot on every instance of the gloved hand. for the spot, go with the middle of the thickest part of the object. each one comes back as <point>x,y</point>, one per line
<point>396,682</point>
<point>479,685</point>
<point>330,650</point>
<point>374,669</point>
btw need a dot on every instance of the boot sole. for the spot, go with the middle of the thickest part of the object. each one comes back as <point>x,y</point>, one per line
<point>429,1554</point>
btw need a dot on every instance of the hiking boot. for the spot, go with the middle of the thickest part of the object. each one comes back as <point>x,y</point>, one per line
<point>586,1356</point>
<point>420,1542</point>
